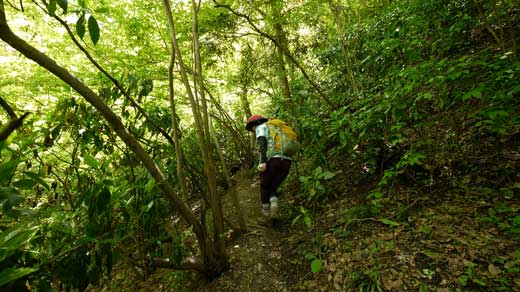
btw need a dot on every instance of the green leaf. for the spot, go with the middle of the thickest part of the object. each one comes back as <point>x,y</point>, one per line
<point>463,280</point>
<point>296,219</point>
<point>316,265</point>
<point>82,3</point>
<point>13,239</point>
<point>24,184</point>
<point>93,29</point>
<point>80,26</point>
<point>480,282</point>
<point>102,10</point>
<point>328,175</point>
<point>37,178</point>
<point>148,206</point>
<point>375,195</point>
<point>90,161</point>
<point>390,222</point>
<point>9,197</point>
<point>149,185</point>
<point>7,169</point>
<point>11,274</point>
<point>475,92</point>
<point>308,221</point>
<point>63,4</point>
<point>52,7</point>
<point>310,256</point>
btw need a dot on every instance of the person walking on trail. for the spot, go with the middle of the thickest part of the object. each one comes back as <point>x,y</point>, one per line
<point>273,167</point>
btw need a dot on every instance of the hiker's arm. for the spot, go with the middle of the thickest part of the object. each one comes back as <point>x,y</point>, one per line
<point>262,144</point>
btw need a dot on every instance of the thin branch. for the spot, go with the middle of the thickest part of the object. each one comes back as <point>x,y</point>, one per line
<point>11,126</point>
<point>8,108</point>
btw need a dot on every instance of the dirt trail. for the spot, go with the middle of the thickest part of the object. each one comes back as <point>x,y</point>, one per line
<point>264,259</point>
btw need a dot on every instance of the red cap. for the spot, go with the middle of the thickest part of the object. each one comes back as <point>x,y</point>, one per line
<point>254,121</point>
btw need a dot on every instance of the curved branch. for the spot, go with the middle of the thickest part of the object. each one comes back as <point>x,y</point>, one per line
<point>8,108</point>
<point>11,126</point>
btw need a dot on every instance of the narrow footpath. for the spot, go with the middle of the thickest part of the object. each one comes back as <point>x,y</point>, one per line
<point>264,258</point>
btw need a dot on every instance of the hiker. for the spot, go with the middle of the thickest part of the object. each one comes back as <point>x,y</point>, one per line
<point>274,163</point>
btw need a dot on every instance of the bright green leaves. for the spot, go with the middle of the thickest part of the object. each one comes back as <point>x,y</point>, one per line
<point>83,21</point>
<point>93,28</point>
<point>15,238</point>
<point>53,4</point>
<point>9,197</point>
<point>314,183</point>
<point>80,26</point>
<point>91,161</point>
<point>63,4</point>
<point>306,216</point>
<point>475,92</point>
<point>6,170</point>
<point>11,274</point>
<point>389,222</point>
<point>52,7</point>
<point>316,263</point>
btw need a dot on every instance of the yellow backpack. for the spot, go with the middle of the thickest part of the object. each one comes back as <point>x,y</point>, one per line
<point>285,140</point>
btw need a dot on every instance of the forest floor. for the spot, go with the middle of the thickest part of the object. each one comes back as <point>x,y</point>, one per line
<point>264,258</point>
<point>412,240</point>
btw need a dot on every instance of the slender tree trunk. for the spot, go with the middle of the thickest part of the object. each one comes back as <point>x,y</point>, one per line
<point>277,7</point>
<point>211,169</point>
<point>234,195</point>
<point>249,156</point>
<point>344,47</point>
<point>215,259</point>
<point>8,109</point>
<point>175,127</point>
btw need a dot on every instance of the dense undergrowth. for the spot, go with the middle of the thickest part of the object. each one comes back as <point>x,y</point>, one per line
<point>408,184</point>
<point>435,123</point>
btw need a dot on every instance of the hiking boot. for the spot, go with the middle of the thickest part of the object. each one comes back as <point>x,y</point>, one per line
<point>275,211</point>
<point>264,219</point>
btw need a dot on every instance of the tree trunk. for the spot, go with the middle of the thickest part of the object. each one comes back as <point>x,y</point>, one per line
<point>210,166</point>
<point>175,127</point>
<point>277,7</point>
<point>214,255</point>
<point>234,195</point>
<point>348,64</point>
